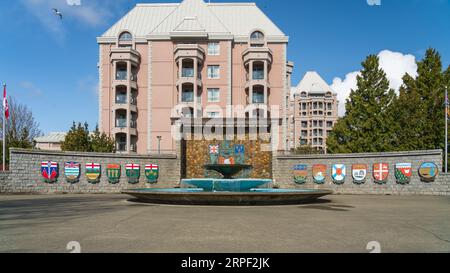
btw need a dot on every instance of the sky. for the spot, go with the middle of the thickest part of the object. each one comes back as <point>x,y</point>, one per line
<point>51,64</point>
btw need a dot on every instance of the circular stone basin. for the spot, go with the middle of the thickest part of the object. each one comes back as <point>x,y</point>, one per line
<point>200,197</point>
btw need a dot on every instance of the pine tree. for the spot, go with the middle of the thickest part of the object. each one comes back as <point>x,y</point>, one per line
<point>419,110</point>
<point>77,139</point>
<point>101,143</point>
<point>369,123</point>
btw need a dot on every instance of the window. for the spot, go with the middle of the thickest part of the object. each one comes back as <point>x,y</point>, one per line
<point>329,124</point>
<point>258,96</point>
<point>125,37</point>
<point>213,49</point>
<point>187,95</point>
<point>213,114</point>
<point>257,35</point>
<point>213,72</point>
<point>213,95</point>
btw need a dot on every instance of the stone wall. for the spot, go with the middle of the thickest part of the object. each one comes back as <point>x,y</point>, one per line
<point>25,176</point>
<point>283,173</point>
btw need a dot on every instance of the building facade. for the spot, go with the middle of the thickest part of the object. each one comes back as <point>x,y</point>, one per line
<point>161,63</point>
<point>314,111</point>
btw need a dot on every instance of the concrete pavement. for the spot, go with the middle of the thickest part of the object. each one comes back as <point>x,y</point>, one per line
<point>111,223</point>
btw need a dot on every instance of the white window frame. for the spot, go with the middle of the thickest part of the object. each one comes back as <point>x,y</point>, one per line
<point>213,76</point>
<point>218,94</point>
<point>216,49</point>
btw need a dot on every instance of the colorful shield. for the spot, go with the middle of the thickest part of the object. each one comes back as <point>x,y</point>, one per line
<point>214,153</point>
<point>403,172</point>
<point>113,173</point>
<point>300,173</point>
<point>359,173</point>
<point>428,172</point>
<point>152,173</point>
<point>133,173</point>
<point>380,173</point>
<point>239,152</point>
<point>93,172</point>
<point>319,173</point>
<point>49,171</point>
<point>72,171</point>
<point>338,173</point>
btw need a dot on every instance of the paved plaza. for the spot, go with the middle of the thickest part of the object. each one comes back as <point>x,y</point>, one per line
<point>112,223</point>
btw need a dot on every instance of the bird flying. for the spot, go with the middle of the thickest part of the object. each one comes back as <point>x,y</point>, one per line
<point>57,12</point>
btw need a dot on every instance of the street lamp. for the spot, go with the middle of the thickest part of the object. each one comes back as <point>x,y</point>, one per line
<point>159,144</point>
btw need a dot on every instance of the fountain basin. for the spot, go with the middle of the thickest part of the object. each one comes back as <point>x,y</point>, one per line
<point>227,170</point>
<point>220,185</point>
<point>193,196</point>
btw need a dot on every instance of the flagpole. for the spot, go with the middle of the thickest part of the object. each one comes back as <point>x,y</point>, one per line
<point>446,130</point>
<point>4,130</point>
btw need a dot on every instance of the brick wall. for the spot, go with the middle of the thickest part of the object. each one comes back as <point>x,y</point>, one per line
<point>25,176</point>
<point>282,168</point>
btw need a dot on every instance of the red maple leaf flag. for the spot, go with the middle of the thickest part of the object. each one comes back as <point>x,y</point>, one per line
<point>5,103</point>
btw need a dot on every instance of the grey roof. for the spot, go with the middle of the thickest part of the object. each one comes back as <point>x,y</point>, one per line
<point>237,19</point>
<point>313,83</point>
<point>53,137</point>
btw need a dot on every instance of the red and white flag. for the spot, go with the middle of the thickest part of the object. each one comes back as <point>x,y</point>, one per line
<point>5,103</point>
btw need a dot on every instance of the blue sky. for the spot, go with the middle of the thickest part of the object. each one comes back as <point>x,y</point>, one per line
<point>51,65</point>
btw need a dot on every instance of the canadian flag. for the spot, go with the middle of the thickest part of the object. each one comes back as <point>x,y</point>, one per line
<point>5,103</point>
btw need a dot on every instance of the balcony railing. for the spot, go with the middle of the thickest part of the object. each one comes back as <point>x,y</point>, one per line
<point>258,98</point>
<point>121,99</point>
<point>258,74</point>
<point>133,124</point>
<point>187,72</point>
<point>121,146</point>
<point>121,123</point>
<point>121,75</point>
<point>187,97</point>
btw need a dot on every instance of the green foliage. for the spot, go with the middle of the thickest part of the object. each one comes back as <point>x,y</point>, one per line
<point>369,123</point>
<point>101,143</point>
<point>378,121</point>
<point>78,139</point>
<point>307,150</point>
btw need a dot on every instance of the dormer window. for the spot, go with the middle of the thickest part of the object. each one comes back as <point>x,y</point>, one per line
<point>125,39</point>
<point>257,39</point>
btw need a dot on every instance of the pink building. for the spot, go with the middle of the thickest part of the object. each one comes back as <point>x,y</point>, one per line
<point>162,62</point>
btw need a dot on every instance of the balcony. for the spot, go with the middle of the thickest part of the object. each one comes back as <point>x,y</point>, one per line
<point>189,51</point>
<point>257,54</point>
<point>121,99</point>
<point>125,54</point>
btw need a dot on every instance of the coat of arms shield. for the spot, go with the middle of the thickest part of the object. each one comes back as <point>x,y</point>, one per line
<point>338,173</point>
<point>72,171</point>
<point>403,172</point>
<point>113,172</point>
<point>300,173</point>
<point>214,153</point>
<point>133,173</point>
<point>239,153</point>
<point>93,172</point>
<point>428,172</point>
<point>319,173</point>
<point>49,171</point>
<point>380,173</point>
<point>152,173</point>
<point>359,173</point>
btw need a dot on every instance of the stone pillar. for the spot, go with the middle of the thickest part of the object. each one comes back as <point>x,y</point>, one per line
<point>195,87</point>
<point>250,79</point>
<point>266,99</point>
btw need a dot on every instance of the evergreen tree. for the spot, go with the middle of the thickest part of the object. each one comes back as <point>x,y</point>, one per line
<point>369,123</point>
<point>419,110</point>
<point>101,143</point>
<point>77,139</point>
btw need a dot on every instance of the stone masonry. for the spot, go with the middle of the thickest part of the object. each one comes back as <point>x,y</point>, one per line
<point>25,176</point>
<point>282,167</point>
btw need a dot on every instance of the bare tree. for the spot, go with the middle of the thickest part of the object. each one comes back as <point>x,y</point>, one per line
<point>21,127</point>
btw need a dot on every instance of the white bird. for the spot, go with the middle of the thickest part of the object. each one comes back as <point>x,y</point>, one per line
<point>57,12</point>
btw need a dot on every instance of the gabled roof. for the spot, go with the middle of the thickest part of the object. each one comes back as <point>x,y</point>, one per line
<point>313,83</point>
<point>53,137</point>
<point>221,19</point>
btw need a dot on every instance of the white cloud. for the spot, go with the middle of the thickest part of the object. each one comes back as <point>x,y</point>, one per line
<point>395,64</point>
<point>30,90</point>
<point>91,13</point>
